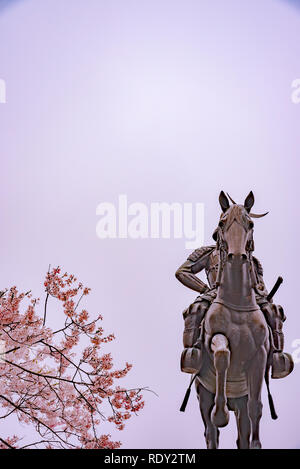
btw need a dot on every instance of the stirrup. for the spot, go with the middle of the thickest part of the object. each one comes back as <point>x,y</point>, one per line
<point>282,365</point>
<point>190,360</point>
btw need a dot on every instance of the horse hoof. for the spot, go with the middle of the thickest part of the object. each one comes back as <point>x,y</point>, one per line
<point>220,416</point>
<point>255,444</point>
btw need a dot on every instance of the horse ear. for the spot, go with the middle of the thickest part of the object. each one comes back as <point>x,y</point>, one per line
<point>224,202</point>
<point>249,201</point>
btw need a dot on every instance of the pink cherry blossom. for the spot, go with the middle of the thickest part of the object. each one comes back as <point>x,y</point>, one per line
<point>47,384</point>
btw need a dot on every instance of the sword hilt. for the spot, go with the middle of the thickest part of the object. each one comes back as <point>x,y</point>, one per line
<point>275,288</point>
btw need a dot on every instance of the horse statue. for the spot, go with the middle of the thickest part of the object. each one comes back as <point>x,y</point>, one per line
<point>235,348</point>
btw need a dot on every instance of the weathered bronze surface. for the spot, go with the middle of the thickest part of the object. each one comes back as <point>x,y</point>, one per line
<point>233,331</point>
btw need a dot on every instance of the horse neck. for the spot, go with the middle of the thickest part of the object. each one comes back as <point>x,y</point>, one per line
<point>236,285</point>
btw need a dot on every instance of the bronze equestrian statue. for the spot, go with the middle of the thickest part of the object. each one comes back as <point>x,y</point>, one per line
<point>233,331</point>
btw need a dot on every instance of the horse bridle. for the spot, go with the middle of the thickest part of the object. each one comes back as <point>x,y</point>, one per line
<point>222,247</point>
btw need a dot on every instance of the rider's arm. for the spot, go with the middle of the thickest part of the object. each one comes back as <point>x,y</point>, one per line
<point>261,287</point>
<point>186,273</point>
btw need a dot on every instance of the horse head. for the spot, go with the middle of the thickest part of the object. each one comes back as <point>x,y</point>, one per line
<point>234,234</point>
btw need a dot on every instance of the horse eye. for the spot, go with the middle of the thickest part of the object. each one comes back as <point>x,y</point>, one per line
<point>251,224</point>
<point>221,224</point>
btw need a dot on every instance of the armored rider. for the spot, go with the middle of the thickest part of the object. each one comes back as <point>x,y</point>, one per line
<point>207,258</point>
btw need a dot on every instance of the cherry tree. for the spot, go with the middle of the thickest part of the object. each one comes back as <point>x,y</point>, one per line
<point>59,381</point>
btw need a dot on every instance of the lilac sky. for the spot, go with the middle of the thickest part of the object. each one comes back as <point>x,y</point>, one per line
<point>165,101</point>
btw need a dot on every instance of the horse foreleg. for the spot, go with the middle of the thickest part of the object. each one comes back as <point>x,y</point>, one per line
<point>219,346</point>
<point>255,380</point>
<point>243,422</point>
<point>206,403</point>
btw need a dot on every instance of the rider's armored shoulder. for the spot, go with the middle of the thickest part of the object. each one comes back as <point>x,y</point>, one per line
<point>200,252</point>
<point>258,266</point>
